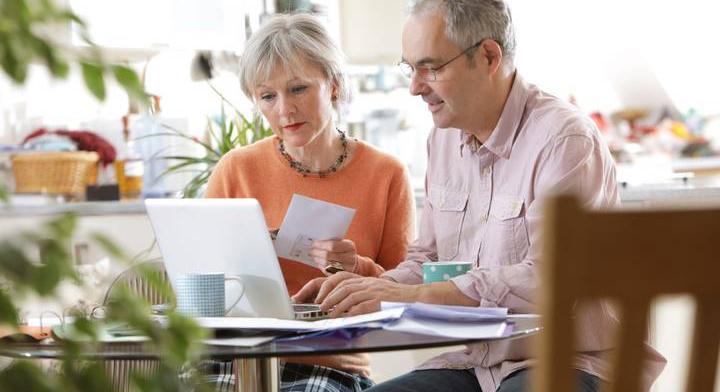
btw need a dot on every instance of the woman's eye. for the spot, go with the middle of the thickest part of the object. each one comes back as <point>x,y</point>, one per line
<point>267,97</point>
<point>298,89</point>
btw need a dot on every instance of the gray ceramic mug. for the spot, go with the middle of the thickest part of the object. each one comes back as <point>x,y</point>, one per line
<point>203,294</point>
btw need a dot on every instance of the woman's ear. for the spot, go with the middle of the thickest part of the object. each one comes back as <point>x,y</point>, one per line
<point>334,92</point>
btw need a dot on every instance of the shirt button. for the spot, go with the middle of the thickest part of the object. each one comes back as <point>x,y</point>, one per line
<point>487,171</point>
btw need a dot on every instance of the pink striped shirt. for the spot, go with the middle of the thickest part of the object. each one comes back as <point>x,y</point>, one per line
<point>485,206</point>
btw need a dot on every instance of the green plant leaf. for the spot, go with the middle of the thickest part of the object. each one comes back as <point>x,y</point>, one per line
<point>93,77</point>
<point>26,376</point>
<point>108,245</point>
<point>57,66</point>
<point>14,264</point>
<point>130,81</point>
<point>13,65</point>
<point>8,313</point>
<point>63,227</point>
<point>87,376</point>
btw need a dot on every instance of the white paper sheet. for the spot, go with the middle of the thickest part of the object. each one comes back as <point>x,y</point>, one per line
<point>273,324</point>
<point>473,330</point>
<point>307,220</point>
<point>240,342</point>
<point>448,312</point>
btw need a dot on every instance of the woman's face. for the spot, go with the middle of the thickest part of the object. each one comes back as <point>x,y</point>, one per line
<point>298,105</point>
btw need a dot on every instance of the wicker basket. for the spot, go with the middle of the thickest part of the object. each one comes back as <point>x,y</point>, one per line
<point>54,172</point>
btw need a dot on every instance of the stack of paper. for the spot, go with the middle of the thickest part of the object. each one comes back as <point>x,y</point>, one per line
<point>461,322</point>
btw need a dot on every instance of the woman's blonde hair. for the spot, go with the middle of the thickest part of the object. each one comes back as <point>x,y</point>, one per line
<point>289,41</point>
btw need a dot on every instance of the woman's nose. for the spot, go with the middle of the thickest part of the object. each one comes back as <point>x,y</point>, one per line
<point>287,105</point>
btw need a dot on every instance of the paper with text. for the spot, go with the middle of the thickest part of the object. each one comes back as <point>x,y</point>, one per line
<point>307,220</point>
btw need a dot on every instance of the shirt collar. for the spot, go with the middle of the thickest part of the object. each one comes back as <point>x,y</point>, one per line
<point>503,136</point>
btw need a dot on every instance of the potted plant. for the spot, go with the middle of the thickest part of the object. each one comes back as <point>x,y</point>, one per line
<point>222,134</point>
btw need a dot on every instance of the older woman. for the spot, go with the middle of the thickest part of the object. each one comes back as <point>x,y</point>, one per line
<point>293,72</point>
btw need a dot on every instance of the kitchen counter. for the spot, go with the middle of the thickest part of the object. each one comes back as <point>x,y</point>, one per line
<point>38,207</point>
<point>683,192</point>
<point>694,189</point>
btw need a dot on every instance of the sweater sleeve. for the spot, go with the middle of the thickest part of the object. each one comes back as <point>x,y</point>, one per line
<point>398,228</point>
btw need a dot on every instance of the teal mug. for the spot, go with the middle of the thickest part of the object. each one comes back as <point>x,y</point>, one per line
<point>440,271</point>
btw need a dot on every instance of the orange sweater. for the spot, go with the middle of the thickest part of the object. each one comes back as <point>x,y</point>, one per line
<point>373,183</point>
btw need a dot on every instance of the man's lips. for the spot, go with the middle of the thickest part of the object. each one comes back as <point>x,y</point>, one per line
<point>434,106</point>
<point>293,127</point>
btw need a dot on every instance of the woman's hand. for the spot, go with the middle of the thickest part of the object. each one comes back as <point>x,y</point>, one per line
<point>334,255</point>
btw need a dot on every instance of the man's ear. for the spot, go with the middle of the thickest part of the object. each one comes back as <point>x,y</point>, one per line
<point>492,54</point>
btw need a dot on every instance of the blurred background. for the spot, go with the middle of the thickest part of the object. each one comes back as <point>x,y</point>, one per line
<point>644,70</point>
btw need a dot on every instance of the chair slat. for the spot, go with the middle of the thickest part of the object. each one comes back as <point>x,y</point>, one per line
<point>705,346</point>
<point>630,348</point>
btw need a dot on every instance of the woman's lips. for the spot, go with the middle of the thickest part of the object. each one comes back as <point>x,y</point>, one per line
<point>293,127</point>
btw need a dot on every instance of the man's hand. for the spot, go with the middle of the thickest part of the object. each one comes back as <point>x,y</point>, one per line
<point>316,289</point>
<point>355,296</point>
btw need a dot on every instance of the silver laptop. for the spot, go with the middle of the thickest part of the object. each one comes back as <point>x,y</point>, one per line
<point>230,236</point>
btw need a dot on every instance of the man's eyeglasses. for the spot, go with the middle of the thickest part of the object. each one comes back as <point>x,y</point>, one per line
<point>429,74</point>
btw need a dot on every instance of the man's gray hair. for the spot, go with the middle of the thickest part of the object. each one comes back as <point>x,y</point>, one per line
<point>469,21</point>
<point>289,41</point>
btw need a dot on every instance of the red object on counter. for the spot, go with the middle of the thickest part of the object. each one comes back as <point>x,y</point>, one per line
<point>85,140</point>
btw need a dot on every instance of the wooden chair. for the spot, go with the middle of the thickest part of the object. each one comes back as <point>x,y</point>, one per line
<point>629,257</point>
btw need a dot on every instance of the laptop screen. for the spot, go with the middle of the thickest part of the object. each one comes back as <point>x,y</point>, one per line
<point>222,235</point>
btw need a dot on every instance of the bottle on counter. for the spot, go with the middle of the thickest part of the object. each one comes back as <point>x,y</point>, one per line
<point>129,166</point>
<point>146,130</point>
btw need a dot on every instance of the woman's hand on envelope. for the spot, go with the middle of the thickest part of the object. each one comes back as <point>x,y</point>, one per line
<point>333,256</point>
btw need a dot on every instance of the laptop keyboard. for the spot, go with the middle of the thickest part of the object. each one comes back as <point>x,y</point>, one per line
<point>308,312</point>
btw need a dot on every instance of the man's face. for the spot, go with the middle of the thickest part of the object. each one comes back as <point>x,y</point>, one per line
<point>453,97</point>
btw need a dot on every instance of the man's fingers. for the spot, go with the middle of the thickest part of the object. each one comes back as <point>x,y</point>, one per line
<point>355,303</point>
<point>308,292</point>
<point>331,283</point>
<point>341,293</point>
<point>369,306</point>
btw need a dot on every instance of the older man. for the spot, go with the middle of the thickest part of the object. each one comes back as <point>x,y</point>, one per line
<point>499,146</point>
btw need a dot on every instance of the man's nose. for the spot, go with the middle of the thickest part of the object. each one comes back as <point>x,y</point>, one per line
<point>418,86</point>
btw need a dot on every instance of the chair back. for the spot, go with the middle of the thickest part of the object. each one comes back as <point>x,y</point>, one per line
<point>137,282</point>
<point>629,257</point>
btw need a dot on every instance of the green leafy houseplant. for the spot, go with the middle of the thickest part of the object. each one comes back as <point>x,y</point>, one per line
<point>37,262</point>
<point>223,134</point>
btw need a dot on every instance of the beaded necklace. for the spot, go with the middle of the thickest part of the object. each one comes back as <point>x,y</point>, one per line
<point>306,171</point>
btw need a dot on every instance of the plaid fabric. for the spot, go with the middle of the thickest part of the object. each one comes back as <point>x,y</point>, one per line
<point>217,375</point>
<point>294,377</point>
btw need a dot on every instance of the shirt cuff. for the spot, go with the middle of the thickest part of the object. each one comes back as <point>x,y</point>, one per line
<point>482,286</point>
<point>403,276</point>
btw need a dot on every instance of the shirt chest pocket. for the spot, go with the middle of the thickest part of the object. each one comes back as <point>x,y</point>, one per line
<point>449,207</point>
<point>506,239</point>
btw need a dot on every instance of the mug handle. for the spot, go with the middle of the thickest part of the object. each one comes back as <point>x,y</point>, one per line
<point>242,291</point>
